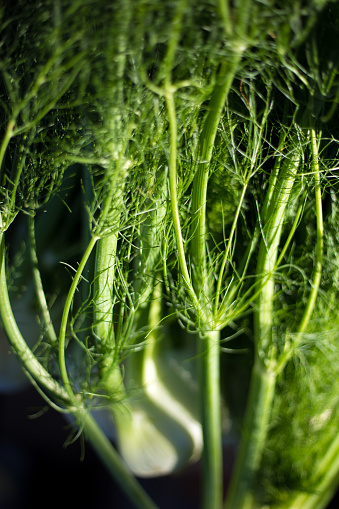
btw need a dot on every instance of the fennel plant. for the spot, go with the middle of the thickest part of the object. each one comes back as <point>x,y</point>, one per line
<point>174,165</point>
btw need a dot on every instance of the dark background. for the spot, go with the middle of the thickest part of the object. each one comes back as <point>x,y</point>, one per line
<point>38,471</point>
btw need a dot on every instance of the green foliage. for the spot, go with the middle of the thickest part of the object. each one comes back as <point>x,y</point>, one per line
<point>177,164</point>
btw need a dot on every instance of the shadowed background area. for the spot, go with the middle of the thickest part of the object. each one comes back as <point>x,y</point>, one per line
<point>37,469</point>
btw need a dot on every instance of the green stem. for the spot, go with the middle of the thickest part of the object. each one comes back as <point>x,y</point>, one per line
<point>293,229</point>
<point>254,433</point>
<point>173,41</point>
<point>211,419</point>
<point>5,141</point>
<point>46,317</point>
<point>19,345</point>
<point>268,250</point>
<point>105,272</point>
<point>96,437</point>
<point>104,284</point>
<point>200,182</point>
<point>65,314</point>
<point>225,14</point>
<point>317,272</point>
<point>210,397</point>
<point>210,358</point>
<point>174,200</point>
<point>104,328</point>
<point>320,236</point>
<point>263,378</point>
<point>243,17</point>
<point>115,465</point>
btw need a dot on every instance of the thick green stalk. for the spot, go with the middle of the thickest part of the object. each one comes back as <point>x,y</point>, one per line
<point>263,376</point>
<point>200,182</point>
<point>210,381</point>
<point>105,265</point>
<point>209,386</point>
<point>104,327</point>
<point>105,272</point>
<point>210,397</point>
<point>150,240</point>
<point>210,356</point>
<point>268,251</point>
<point>258,411</point>
<point>328,469</point>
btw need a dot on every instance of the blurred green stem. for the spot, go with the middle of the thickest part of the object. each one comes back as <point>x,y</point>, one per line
<point>263,378</point>
<point>113,462</point>
<point>258,411</point>
<point>320,235</point>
